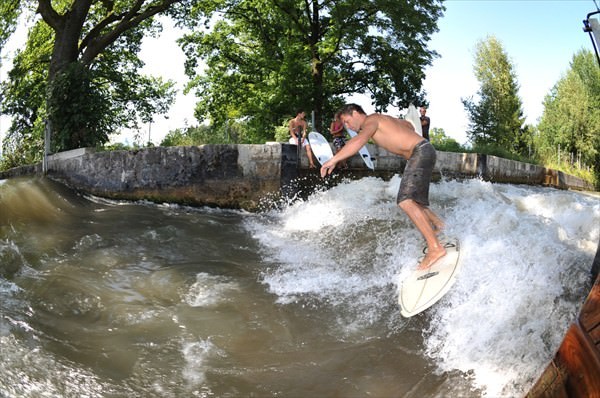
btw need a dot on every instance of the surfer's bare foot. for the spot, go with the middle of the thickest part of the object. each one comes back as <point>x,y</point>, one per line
<point>433,255</point>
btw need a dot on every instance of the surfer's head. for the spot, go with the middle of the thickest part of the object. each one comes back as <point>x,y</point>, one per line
<point>352,116</point>
<point>349,108</point>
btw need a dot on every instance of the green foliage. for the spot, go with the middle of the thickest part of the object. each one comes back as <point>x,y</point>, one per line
<point>231,133</point>
<point>87,98</point>
<point>77,110</point>
<point>501,152</point>
<point>496,119</point>
<point>23,97</point>
<point>570,125</point>
<point>118,146</point>
<point>282,132</point>
<point>27,150</point>
<point>84,108</point>
<point>177,137</point>
<point>9,13</point>
<point>267,59</point>
<point>186,137</point>
<point>441,142</point>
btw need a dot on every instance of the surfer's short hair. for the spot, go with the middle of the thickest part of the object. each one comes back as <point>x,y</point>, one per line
<point>349,108</point>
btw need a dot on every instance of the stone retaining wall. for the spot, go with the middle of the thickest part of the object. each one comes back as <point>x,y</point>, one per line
<point>239,176</point>
<point>227,176</point>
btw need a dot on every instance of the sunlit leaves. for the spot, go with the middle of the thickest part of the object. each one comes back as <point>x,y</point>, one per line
<point>269,57</point>
<point>80,71</point>
<point>9,13</point>
<point>571,119</point>
<point>497,117</point>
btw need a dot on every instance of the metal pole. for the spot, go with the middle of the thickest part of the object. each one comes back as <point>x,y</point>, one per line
<point>592,27</point>
<point>47,135</point>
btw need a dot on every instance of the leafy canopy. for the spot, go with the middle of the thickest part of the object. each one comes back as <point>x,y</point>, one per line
<point>265,59</point>
<point>570,122</point>
<point>80,70</point>
<point>497,117</point>
<point>9,13</point>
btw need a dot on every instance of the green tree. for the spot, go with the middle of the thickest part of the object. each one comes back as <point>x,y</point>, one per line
<point>497,117</point>
<point>442,142</point>
<point>23,97</point>
<point>9,12</point>
<point>570,123</point>
<point>204,134</point>
<point>268,58</point>
<point>83,63</point>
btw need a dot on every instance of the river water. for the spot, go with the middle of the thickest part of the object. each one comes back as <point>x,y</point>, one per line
<point>118,299</point>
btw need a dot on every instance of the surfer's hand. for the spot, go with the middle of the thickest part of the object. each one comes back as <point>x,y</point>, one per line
<point>327,168</point>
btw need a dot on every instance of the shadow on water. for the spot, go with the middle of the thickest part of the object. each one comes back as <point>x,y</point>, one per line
<point>105,298</point>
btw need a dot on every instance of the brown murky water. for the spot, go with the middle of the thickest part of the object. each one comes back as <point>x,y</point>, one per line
<point>117,299</point>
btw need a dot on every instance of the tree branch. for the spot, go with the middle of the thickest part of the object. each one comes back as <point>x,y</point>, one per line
<point>50,16</point>
<point>293,17</point>
<point>129,20</point>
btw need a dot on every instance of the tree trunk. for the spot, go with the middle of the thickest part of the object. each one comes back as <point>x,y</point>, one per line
<point>316,69</point>
<point>317,77</point>
<point>67,29</point>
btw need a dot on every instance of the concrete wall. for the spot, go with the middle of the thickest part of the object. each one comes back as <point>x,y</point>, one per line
<point>227,176</point>
<point>240,176</point>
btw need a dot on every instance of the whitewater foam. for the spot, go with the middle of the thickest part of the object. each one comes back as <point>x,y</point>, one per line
<point>526,255</point>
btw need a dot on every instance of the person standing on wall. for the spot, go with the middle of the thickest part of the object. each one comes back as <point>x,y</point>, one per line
<point>399,137</point>
<point>297,127</point>
<point>425,121</point>
<point>336,128</point>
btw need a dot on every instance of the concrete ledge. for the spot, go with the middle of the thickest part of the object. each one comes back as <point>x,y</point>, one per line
<point>240,176</point>
<point>227,176</point>
<point>73,153</point>
<point>504,170</point>
<point>458,164</point>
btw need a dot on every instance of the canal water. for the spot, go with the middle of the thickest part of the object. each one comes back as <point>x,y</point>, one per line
<point>106,298</point>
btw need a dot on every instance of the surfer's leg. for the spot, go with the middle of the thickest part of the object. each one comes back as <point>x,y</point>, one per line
<point>419,217</point>
<point>413,198</point>
<point>310,156</point>
<point>436,222</point>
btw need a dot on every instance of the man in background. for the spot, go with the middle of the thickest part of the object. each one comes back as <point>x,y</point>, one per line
<point>424,122</point>
<point>297,127</point>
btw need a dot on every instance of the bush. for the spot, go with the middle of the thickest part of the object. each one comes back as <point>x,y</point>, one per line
<point>449,145</point>
<point>282,132</point>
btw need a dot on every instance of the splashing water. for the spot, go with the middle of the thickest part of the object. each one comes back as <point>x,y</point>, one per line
<point>527,253</point>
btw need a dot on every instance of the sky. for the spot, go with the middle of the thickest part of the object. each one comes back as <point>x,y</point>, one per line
<point>540,38</point>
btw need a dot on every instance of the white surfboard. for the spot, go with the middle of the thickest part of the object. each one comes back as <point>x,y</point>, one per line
<point>424,288</point>
<point>413,116</point>
<point>320,147</point>
<point>363,152</point>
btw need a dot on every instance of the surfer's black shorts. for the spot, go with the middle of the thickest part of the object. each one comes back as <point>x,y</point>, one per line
<point>417,174</point>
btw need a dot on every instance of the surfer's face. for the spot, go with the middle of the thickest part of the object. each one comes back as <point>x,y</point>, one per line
<point>350,121</point>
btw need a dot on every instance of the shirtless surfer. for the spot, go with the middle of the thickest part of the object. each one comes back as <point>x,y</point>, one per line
<point>399,137</point>
<point>297,127</point>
